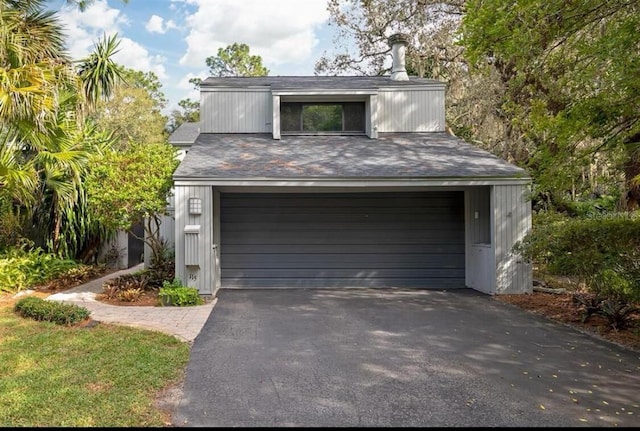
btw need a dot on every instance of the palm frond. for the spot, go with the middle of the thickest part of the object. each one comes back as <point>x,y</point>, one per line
<point>98,72</point>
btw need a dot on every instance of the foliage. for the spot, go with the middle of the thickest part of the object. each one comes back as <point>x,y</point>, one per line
<point>235,60</point>
<point>130,295</point>
<point>46,138</point>
<point>132,186</point>
<point>174,293</point>
<point>100,376</point>
<point>138,281</point>
<point>51,311</point>
<point>601,252</point>
<point>189,113</point>
<point>131,286</point>
<point>618,312</point>
<point>133,112</point>
<point>568,90</point>
<point>367,26</point>
<point>21,269</point>
<point>98,72</point>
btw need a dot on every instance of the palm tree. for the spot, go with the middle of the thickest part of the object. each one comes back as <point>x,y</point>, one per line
<point>45,135</point>
<point>98,73</point>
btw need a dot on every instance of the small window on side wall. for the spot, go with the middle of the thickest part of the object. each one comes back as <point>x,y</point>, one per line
<point>325,117</point>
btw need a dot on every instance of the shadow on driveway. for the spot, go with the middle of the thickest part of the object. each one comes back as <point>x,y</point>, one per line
<point>396,357</point>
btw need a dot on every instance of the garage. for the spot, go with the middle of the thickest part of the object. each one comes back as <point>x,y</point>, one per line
<point>382,239</point>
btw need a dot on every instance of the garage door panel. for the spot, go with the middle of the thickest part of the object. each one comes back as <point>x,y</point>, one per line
<point>335,226</point>
<point>325,282</point>
<point>346,273</point>
<point>344,260</point>
<point>323,247</point>
<point>370,239</point>
<point>360,218</point>
<point>381,237</point>
<point>265,201</point>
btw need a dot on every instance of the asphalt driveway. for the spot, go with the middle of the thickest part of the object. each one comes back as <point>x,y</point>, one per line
<point>383,358</point>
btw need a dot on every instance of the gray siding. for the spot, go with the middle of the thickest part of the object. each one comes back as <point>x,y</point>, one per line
<point>238,111</point>
<point>410,111</point>
<point>251,111</point>
<point>200,275</point>
<point>511,221</point>
<point>342,239</point>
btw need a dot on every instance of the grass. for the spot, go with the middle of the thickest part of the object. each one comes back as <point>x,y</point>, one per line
<point>101,376</point>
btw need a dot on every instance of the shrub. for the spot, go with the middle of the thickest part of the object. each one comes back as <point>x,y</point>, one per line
<point>603,253</point>
<point>130,295</point>
<point>174,293</point>
<point>21,269</point>
<point>56,312</point>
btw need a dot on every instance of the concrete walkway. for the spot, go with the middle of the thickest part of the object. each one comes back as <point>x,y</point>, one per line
<point>184,323</point>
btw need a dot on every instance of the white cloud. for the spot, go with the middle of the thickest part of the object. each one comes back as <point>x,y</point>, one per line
<point>154,25</point>
<point>280,31</point>
<point>184,82</point>
<point>84,29</point>
<point>135,56</point>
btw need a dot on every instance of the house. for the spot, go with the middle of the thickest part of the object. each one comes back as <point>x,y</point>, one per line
<point>318,181</point>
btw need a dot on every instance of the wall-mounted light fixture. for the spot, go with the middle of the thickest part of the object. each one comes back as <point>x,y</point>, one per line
<point>195,206</point>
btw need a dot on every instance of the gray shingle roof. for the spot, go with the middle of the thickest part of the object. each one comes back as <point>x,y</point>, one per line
<point>393,155</point>
<point>186,133</point>
<point>315,82</point>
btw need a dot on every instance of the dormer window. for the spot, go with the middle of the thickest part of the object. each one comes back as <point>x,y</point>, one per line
<point>322,117</point>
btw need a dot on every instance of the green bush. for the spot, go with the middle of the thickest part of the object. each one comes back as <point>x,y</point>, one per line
<point>51,311</point>
<point>174,293</point>
<point>21,269</point>
<point>603,252</point>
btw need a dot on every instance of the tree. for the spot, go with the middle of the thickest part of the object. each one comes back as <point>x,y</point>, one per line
<point>367,25</point>
<point>133,112</point>
<point>98,73</point>
<point>132,186</point>
<point>235,60</point>
<point>190,113</point>
<point>43,125</point>
<point>568,70</point>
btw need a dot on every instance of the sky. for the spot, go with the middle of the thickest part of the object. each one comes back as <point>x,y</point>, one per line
<point>172,38</point>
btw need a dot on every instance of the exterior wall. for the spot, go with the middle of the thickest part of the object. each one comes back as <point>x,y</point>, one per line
<point>511,211</point>
<point>200,272</point>
<point>237,111</point>
<point>411,110</point>
<point>480,259</point>
<point>116,247</point>
<point>257,111</point>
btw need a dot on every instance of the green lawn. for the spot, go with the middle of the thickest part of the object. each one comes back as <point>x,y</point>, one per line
<point>104,376</point>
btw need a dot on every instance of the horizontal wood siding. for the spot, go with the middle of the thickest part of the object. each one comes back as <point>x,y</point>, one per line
<point>512,221</point>
<point>236,112</point>
<point>342,239</point>
<point>410,111</point>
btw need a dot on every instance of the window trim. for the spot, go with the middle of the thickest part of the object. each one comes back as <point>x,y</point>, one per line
<point>369,97</point>
<point>341,103</point>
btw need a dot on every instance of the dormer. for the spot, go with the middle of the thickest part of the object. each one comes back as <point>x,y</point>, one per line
<point>324,105</point>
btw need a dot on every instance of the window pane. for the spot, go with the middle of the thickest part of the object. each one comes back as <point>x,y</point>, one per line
<point>322,118</point>
<point>353,117</point>
<point>290,117</point>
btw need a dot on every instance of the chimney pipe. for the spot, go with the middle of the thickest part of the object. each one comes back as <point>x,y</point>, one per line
<point>398,43</point>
